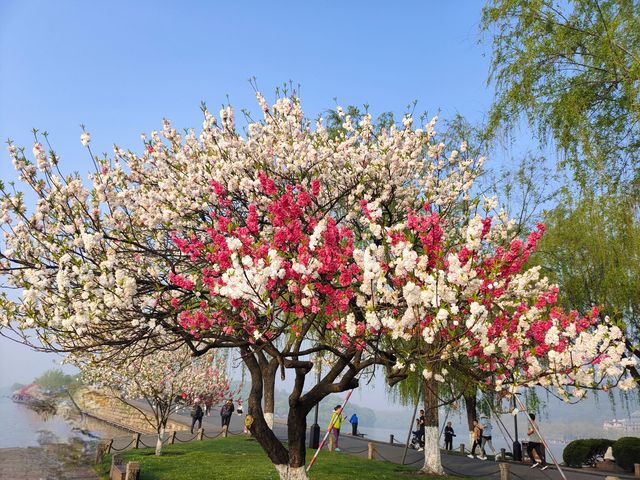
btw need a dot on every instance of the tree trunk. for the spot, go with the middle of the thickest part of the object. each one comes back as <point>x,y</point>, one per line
<point>470,401</point>
<point>269,380</point>
<point>160,441</point>
<point>259,428</point>
<point>297,431</point>
<point>268,369</point>
<point>432,458</point>
<point>291,473</point>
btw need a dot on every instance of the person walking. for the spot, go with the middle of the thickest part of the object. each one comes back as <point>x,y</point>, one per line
<point>535,444</point>
<point>225,413</point>
<point>354,425</point>
<point>336,421</point>
<point>485,423</point>
<point>448,436</point>
<point>196,415</point>
<point>476,435</point>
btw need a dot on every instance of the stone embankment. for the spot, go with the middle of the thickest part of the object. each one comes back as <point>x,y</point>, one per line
<point>100,405</point>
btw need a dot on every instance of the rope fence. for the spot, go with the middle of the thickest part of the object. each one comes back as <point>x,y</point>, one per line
<point>357,452</point>
<point>482,475</point>
<point>171,437</point>
<point>145,445</point>
<point>187,441</point>
<point>378,454</point>
<point>123,448</point>
<point>419,459</point>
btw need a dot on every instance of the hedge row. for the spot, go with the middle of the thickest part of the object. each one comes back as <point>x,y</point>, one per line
<point>626,451</point>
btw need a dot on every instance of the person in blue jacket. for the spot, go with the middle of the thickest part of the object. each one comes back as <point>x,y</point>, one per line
<point>354,424</point>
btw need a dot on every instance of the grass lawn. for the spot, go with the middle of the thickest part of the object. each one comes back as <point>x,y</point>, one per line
<point>240,458</point>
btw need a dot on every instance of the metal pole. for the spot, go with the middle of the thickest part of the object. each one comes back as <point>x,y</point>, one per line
<point>335,417</point>
<point>544,442</point>
<point>314,431</point>
<point>517,449</point>
<point>406,447</point>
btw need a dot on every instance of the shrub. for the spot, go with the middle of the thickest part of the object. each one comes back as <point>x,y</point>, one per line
<point>627,452</point>
<point>576,453</point>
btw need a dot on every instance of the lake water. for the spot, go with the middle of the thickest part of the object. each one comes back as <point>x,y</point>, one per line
<point>22,427</point>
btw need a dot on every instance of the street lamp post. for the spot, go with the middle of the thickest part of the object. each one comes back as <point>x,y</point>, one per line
<point>517,449</point>
<point>314,431</point>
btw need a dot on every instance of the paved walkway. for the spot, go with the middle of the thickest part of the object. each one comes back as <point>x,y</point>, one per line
<point>454,464</point>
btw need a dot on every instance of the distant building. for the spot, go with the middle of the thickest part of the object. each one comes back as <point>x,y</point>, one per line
<point>631,424</point>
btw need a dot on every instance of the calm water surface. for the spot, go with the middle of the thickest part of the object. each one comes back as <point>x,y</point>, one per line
<point>22,427</point>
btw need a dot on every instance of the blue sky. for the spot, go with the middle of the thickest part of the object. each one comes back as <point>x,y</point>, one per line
<point>119,67</point>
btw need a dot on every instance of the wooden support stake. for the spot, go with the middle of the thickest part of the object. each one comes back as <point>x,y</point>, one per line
<point>371,450</point>
<point>504,471</point>
<point>503,454</point>
<point>172,437</point>
<point>391,438</point>
<point>136,440</point>
<point>636,467</point>
<point>100,451</point>
<point>462,448</point>
<point>225,431</point>
<point>332,443</point>
<point>201,434</point>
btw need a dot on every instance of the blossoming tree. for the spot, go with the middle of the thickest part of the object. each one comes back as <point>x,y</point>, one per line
<point>364,246</point>
<point>165,380</point>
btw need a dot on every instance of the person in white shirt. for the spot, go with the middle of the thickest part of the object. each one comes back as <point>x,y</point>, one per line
<point>485,423</point>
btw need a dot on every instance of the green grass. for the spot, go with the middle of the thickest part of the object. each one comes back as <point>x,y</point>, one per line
<point>243,458</point>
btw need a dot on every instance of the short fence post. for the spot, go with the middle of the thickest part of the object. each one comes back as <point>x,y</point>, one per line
<point>371,448</point>
<point>172,437</point>
<point>504,471</point>
<point>225,431</point>
<point>332,443</point>
<point>116,463</point>
<point>133,471</point>
<point>136,440</point>
<point>391,438</point>
<point>201,434</point>
<point>462,448</point>
<point>636,467</point>
<point>503,454</point>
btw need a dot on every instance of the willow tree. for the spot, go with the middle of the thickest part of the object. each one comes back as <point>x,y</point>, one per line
<point>592,249</point>
<point>571,71</point>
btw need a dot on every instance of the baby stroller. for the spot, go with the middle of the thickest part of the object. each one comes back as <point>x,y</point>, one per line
<point>416,440</point>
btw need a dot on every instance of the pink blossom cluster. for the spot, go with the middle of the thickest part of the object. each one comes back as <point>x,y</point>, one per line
<point>287,262</point>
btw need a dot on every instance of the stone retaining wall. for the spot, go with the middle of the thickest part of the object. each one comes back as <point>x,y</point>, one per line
<point>105,407</point>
